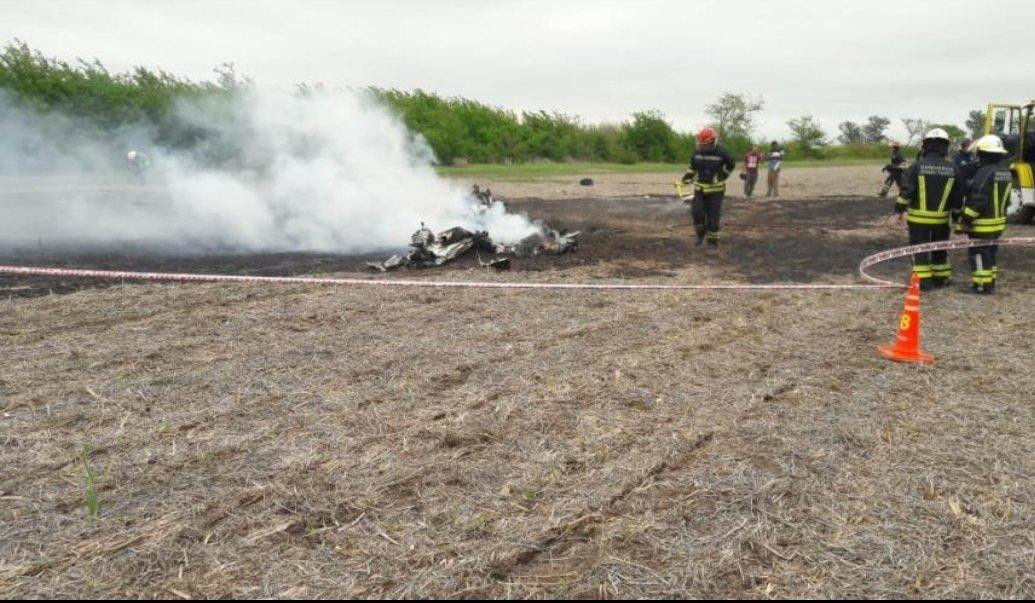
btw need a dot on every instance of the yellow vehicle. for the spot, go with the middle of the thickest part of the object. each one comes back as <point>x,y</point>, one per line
<point>1015,126</point>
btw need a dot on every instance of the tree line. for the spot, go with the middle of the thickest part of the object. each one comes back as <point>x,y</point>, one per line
<point>458,130</point>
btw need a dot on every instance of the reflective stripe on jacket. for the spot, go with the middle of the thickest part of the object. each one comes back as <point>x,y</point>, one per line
<point>711,167</point>
<point>984,210</point>
<point>931,190</point>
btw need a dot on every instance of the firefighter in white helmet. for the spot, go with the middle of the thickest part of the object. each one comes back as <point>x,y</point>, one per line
<point>138,162</point>
<point>932,191</point>
<point>984,209</point>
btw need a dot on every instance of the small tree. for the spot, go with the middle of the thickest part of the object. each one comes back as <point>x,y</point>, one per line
<point>873,131</point>
<point>651,137</point>
<point>733,115</point>
<point>851,132</point>
<point>808,134</point>
<point>915,128</point>
<point>955,132</point>
<point>976,123</point>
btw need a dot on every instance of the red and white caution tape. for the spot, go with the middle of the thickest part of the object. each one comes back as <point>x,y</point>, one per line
<point>901,252</point>
<point>874,282</point>
<point>305,280</point>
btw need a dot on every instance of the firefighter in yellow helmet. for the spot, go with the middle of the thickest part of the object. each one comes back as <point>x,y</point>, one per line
<point>984,210</point>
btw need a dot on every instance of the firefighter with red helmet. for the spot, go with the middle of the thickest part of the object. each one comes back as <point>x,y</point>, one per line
<point>710,166</point>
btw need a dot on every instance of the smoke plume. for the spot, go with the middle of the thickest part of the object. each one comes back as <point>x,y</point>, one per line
<point>326,172</point>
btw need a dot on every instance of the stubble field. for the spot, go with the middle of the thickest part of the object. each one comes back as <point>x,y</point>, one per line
<point>305,441</point>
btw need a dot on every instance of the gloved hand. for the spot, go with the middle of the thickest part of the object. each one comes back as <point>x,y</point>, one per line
<point>689,177</point>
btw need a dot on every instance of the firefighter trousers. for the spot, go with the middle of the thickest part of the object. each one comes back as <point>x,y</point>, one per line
<point>934,266</point>
<point>706,210</point>
<point>984,265</point>
<point>893,178</point>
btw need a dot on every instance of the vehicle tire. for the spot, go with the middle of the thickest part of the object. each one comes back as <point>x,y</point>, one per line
<point>1016,211</point>
<point>1024,216</point>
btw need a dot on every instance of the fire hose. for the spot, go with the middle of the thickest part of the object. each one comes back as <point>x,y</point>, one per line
<point>870,261</point>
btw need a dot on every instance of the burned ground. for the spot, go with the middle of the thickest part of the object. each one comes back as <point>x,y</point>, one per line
<point>794,240</point>
<point>316,441</point>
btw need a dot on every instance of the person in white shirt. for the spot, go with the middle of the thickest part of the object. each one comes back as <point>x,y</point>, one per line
<point>774,159</point>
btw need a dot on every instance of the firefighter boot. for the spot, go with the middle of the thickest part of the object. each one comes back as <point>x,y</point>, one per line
<point>700,237</point>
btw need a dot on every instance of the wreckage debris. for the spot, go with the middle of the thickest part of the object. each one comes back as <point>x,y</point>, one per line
<point>499,263</point>
<point>548,241</point>
<point>485,199</point>
<point>430,249</point>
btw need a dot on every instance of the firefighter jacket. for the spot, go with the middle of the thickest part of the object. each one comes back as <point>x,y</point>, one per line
<point>896,165</point>
<point>932,189</point>
<point>984,209</point>
<point>710,167</point>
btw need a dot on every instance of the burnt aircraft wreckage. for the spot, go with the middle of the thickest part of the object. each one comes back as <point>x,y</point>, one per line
<point>429,249</point>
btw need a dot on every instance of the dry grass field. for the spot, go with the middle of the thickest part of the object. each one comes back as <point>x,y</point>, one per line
<point>299,441</point>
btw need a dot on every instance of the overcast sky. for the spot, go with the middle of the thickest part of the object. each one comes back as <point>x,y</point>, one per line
<point>836,60</point>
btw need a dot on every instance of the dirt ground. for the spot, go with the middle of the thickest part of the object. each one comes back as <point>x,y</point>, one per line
<point>301,441</point>
<point>795,183</point>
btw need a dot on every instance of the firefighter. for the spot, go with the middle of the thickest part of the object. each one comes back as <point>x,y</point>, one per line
<point>894,169</point>
<point>138,163</point>
<point>984,210</point>
<point>709,168</point>
<point>932,190</point>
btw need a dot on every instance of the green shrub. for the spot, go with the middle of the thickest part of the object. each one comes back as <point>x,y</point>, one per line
<point>88,96</point>
<point>460,128</point>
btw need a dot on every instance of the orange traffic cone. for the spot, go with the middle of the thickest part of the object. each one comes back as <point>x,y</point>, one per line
<point>907,346</point>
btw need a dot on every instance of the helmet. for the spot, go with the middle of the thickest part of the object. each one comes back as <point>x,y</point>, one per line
<point>937,134</point>
<point>989,144</point>
<point>706,137</point>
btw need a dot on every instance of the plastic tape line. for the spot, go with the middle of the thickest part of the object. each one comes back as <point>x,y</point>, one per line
<point>873,282</point>
<point>901,252</point>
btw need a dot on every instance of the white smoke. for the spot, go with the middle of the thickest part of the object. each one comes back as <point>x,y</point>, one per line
<point>327,172</point>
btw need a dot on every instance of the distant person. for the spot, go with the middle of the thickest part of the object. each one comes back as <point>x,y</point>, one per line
<point>894,169</point>
<point>984,210</point>
<point>752,161</point>
<point>774,162</point>
<point>710,166</point>
<point>932,191</point>
<point>964,159</point>
<point>138,163</point>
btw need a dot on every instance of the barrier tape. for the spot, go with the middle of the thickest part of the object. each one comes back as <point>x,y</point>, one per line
<point>868,262</point>
<point>901,252</point>
<point>304,280</point>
